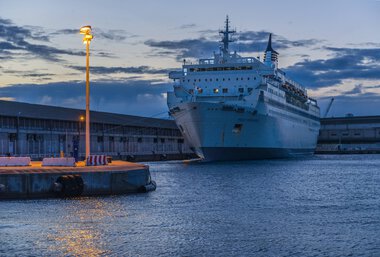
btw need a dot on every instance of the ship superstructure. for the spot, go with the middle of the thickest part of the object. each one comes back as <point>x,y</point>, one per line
<point>231,107</point>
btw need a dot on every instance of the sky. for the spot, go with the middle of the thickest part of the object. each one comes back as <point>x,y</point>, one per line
<point>332,47</point>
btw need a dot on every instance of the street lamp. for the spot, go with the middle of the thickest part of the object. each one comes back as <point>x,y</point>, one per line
<point>87,37</point>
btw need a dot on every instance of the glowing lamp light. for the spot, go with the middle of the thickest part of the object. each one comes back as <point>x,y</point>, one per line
<point>85,30</point>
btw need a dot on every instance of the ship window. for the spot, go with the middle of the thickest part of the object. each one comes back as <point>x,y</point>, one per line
<point>241,79</point>
<point>217,79</point>
<point>247,78</point>
<point>206,80</point>
<point>155,140</point>
<point>237,128</point>
<point>229,79</point>
<point>254,78</point>
<point>183,80</point>
<point>250,90</point>
<point>200,90</point>
<point>210,80</point>
<point>216,90</point>
<point>188,80</point>
<point>162,140</point>
<point>241,90</point>
<point>237,78</point>
<point>195,80</point>
<point>224,79</point>
<point>225,90</point>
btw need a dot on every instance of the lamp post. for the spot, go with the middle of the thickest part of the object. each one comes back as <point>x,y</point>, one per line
<point>87,37</point>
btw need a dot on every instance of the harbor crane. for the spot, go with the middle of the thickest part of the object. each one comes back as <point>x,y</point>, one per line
<point>328,107</point>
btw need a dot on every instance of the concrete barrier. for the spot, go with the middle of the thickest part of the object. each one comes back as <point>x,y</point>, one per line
<point>14,161</point>
<point>64,161</point>
<point>95,160</point>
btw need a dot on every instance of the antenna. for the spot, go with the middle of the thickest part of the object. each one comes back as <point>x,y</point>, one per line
<point>226,36</point>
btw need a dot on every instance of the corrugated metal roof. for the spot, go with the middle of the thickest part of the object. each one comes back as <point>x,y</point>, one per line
<point>38,111</point>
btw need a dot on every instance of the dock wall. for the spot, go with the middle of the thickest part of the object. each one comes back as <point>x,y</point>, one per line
<point>40,184</point>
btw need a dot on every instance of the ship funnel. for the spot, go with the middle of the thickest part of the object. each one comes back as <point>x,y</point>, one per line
<point>270,56</point>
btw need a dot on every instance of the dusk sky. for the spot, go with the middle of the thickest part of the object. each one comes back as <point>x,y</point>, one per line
<point>332,47</point>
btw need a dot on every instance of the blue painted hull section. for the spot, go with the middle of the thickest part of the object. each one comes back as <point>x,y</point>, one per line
<point>242,153</point>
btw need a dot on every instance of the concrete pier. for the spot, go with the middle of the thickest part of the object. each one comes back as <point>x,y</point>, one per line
<point>36,181</point>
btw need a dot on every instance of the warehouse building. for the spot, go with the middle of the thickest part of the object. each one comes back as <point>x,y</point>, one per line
<point>42,131</point>
<point>349,135</point>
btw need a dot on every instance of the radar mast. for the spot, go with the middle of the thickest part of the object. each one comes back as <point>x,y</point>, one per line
<point>226,37</point>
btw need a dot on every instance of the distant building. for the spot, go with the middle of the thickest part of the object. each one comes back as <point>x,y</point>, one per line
<point>40,131</point>
<point>349,134</point>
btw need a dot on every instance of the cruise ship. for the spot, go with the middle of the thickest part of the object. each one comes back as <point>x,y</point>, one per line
<point>231,107</point>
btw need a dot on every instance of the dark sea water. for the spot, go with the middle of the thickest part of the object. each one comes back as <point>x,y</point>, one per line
<point>320,206</point>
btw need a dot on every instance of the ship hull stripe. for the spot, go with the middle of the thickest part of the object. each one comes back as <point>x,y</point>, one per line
<point>244,153</point>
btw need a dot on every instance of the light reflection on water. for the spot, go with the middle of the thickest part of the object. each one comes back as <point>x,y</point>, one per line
<point>77,233</point>
<point>322,206</point>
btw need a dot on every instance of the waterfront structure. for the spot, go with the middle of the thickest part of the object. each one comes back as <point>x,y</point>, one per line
<point>231,107</point>
<point>43,131</point>
<point>349,135</point>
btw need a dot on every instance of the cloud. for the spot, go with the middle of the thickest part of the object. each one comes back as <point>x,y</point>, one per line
<point>205,45</point>
<point>14,37</point>
<point>187,48</point>
<point>129,70</point>
<point>65,32</point>
<point>7,99</point>
<point>145,98</point>
<point>187,26</point>
<point>113,34</point>
<point>358,89</point>
<point>13,33</point>
<point>344,63</point>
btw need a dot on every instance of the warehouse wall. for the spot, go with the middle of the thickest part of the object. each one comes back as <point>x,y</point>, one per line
<point>38,138</point>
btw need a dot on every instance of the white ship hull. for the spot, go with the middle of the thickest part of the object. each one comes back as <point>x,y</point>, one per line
<point>231,107</point>
<point>211,131</point>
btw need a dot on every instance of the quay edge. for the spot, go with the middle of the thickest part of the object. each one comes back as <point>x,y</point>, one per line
<point>41,182</point>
